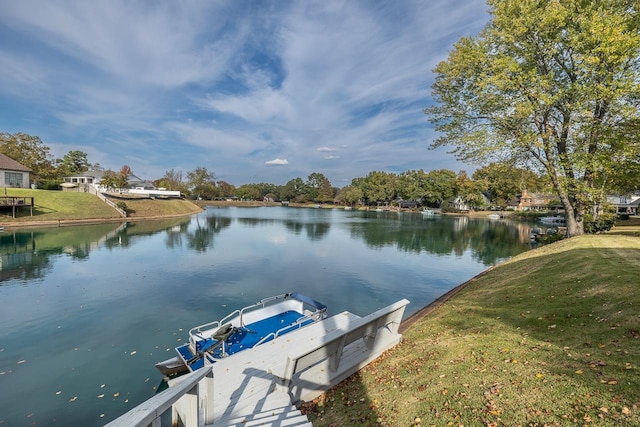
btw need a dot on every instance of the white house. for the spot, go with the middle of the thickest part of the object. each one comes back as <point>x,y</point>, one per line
<point>627,204</point>
<point>81,182</point>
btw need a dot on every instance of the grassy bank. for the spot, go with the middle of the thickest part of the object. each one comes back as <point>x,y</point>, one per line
<point>56,206</point>
<point>550,337</point>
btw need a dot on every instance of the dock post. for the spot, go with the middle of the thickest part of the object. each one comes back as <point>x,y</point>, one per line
<point>206,399</point>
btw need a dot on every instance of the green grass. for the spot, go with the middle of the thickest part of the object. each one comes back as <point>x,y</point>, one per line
<point>51,206</point>
<point>550,337</point>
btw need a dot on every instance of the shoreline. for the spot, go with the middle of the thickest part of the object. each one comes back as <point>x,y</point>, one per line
<point>87,221</point>
<point>429,308</point>
<point>201,205</point>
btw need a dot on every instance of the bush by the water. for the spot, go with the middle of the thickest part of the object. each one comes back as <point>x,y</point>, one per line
<point>604,222</point>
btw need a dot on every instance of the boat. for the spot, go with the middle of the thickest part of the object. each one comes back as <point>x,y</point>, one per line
<point>242,329</point>
<point>430,212</point>
<point>494,216</point>
<point>555,220</point>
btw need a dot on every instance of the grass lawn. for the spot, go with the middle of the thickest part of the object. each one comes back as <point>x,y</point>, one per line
<point>65,206</point>
<point>549,338</point>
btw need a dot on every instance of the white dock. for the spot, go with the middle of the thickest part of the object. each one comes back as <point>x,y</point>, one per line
<point>262,386</point>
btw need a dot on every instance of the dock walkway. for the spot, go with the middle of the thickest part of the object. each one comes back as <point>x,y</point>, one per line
<point>264,385</point>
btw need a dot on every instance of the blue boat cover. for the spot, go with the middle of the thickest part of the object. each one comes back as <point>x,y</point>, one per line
<point>305,299</point>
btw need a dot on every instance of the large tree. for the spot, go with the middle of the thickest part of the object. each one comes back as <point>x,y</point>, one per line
<point>202,183</point>
<point>550,84</point>
<point>378,187</point>
<point>350,195</point>
<point>411,185</point>
<point>172,180</point>
<point>75,161</point>
<point>29,151</point>
<point>113,180</point>
<point>295,189</point>
<point>502,182</point>
<point>226,189</point>
<point>319,188</point>
<point>439,186</point>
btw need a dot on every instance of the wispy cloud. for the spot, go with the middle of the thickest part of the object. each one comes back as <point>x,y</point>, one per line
<point>277,162</point>
<point>233,86</point>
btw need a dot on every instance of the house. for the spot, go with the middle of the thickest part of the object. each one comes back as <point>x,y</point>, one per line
<point>531,202</point>
<point>12,173</point>
<point>88,177</point>
<point>81,181</point>
<point>627,204</point>
<point>458,204</point>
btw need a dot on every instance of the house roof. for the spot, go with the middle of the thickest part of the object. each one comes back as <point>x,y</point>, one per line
<point>8,163</point>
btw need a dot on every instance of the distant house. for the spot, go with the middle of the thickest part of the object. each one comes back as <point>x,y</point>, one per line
<point>94,177</point>
<point>135,185</point>
<point>81,180</point>
<point>627,204</point>
<point>458,204</point>
<point>12,173</point>
<point>88,177</point>
<point>139,184</point>
<point>531,201</point>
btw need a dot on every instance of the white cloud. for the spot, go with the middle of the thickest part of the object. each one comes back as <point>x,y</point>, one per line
<point>277,162</point>
<point>261,84</point>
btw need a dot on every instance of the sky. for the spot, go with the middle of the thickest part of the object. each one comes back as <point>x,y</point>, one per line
<point>253,91</point>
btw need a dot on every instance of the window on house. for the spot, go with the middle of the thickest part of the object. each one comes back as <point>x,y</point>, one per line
<point>13,179</point>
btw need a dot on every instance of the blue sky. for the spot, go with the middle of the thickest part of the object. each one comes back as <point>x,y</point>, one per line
<point>255,91</point>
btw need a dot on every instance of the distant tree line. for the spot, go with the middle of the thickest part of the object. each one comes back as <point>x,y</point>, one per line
<point>545,97</point>
<point>495,184</point>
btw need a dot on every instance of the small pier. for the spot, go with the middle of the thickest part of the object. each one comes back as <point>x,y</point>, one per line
<point>265,385</point>
<point>12,202</point>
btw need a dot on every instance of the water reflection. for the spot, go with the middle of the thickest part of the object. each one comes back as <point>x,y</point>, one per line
<point>27,255</point>
<point>489,241</point>
<point>124,295</point>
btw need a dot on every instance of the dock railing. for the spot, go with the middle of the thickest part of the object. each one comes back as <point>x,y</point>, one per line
<point>94,190</point>
<point>338,354</point>
<point>196,390</point>
<point>305,370</point>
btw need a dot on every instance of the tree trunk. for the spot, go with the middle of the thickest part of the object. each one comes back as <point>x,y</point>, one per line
<point>575,224</point>
<point>574,216</point>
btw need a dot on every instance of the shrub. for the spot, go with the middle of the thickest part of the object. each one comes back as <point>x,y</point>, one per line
<point>604,222</point>
<point>122,205</point>
<point>49,184</point>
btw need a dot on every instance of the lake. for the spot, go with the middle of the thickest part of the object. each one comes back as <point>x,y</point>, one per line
<point>87,311</point>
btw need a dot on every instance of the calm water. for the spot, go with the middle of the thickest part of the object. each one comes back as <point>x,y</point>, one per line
<point>87,311</point>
